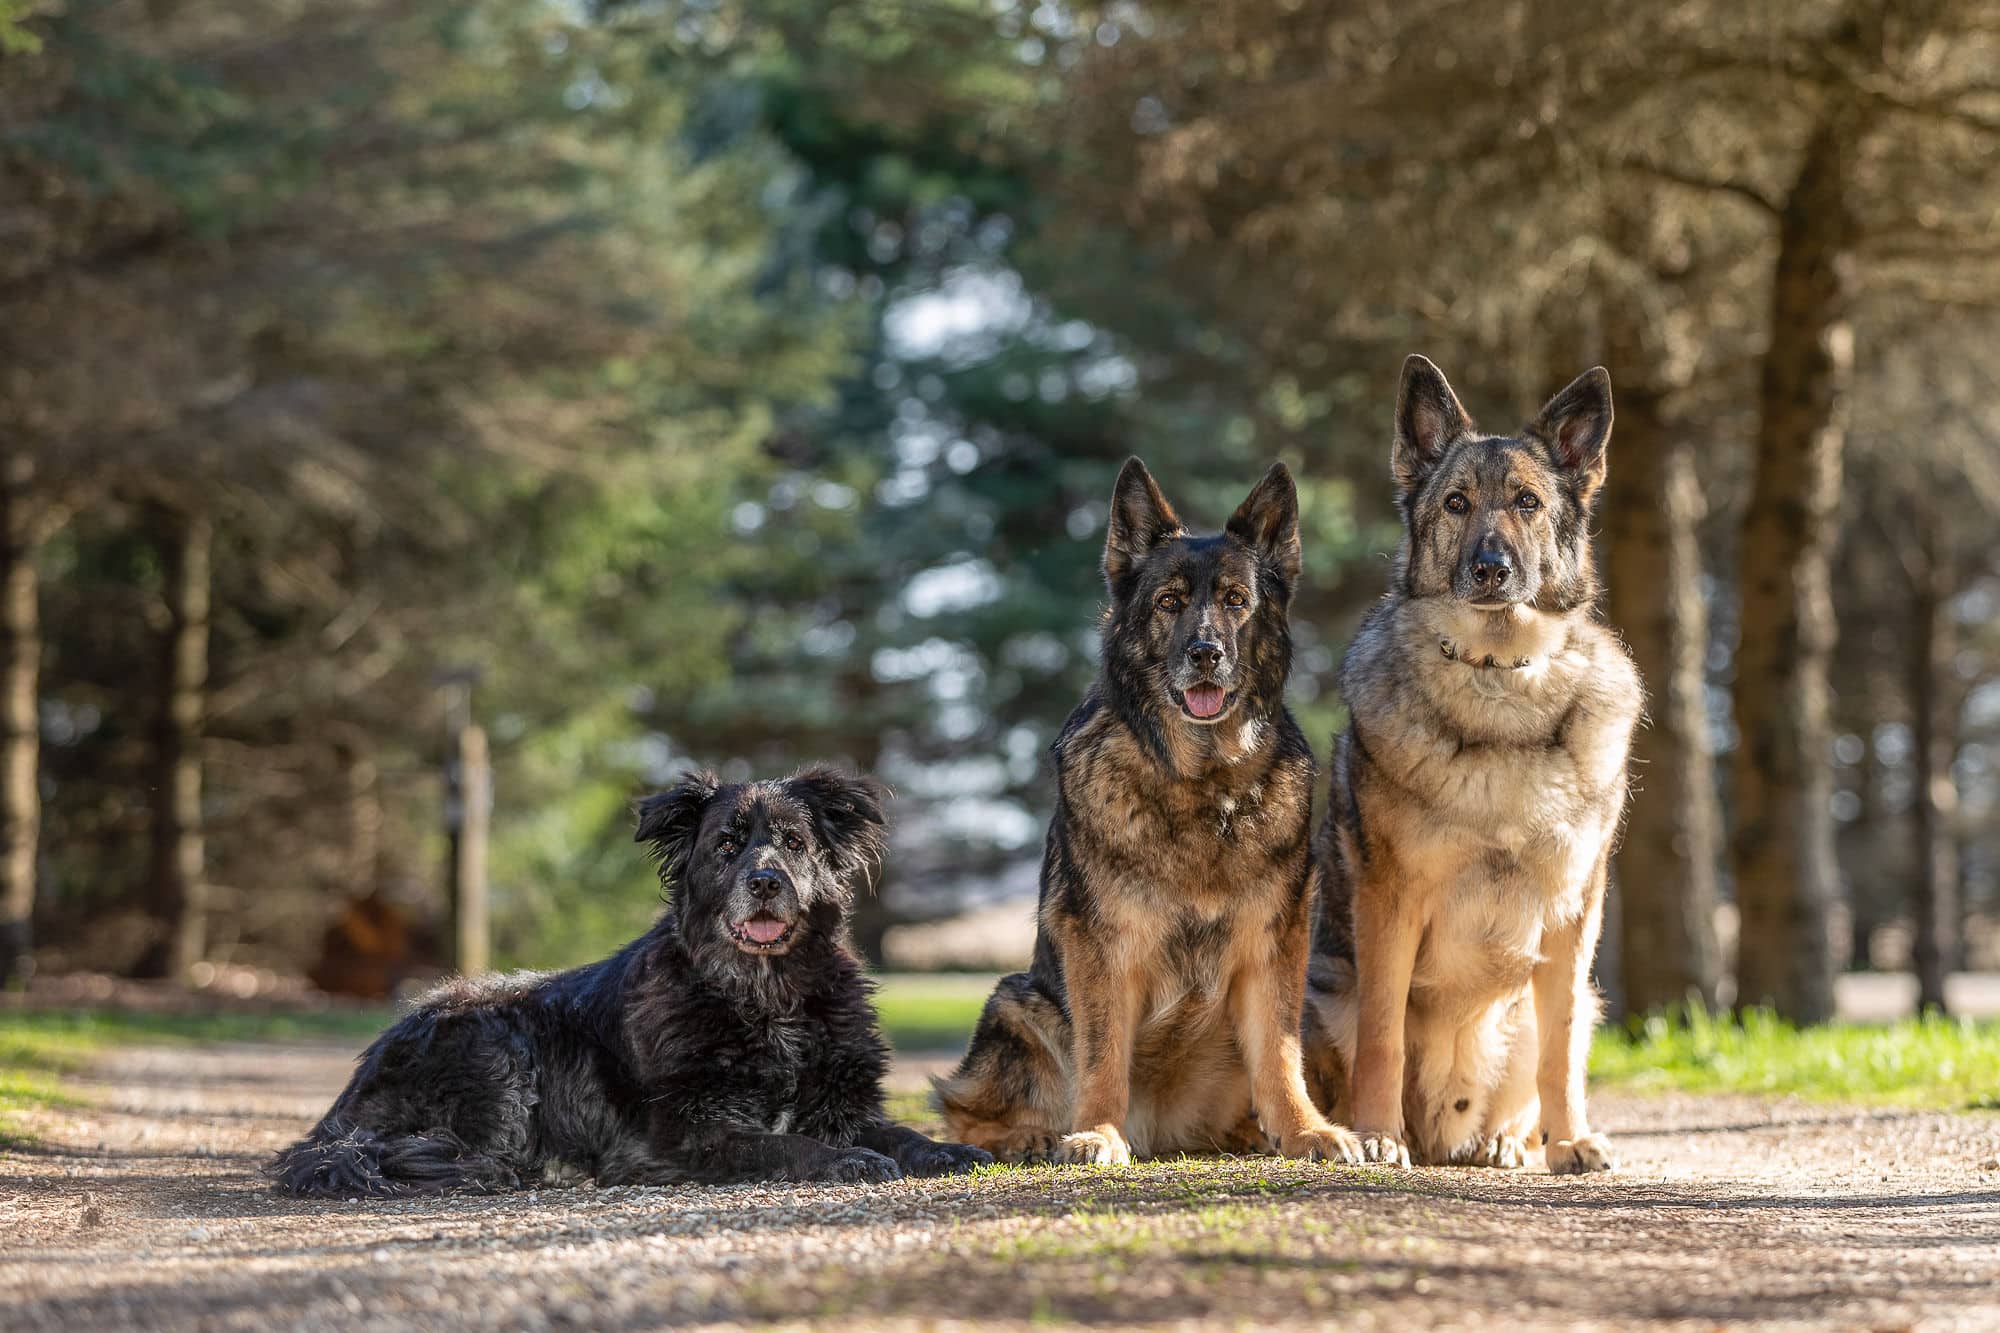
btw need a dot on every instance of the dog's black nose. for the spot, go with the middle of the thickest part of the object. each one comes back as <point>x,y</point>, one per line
<point>764,884</point>
<point>1491,565</point>
<point>1206,655</point>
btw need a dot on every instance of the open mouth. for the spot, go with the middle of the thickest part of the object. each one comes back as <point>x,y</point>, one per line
<point>761,933</point>
<point>1205,703</point>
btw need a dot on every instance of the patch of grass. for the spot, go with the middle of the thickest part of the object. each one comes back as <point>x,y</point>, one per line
<point>1232,1232</point>
<point>1929,1062</point>
<point>1233,1240</point>
<point>48,1035</point>
<point>931,1012</point>
<point>912,1108</point>
<point>22,1091</point>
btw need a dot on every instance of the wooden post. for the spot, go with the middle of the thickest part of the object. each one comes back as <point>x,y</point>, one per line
<point>468,808</point>
<point>475,789</point>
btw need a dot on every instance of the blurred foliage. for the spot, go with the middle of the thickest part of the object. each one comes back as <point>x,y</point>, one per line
<point>497,352</point>
<point>741,383</point>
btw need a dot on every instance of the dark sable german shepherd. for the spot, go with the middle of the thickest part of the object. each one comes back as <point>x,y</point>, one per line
<point>1476,795</point>
<point>1161,1012</point>
<point>733,1041</point>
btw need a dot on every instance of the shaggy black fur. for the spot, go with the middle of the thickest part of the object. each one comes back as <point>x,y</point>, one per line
<point>733,1041</point>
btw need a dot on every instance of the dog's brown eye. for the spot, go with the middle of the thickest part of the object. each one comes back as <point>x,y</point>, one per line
<point>1170,602</point>
<point>1235,597</point>
<point>794,843</point>
<point>1528,502</point>
<point>1456,503</point>
<point>727,845</point>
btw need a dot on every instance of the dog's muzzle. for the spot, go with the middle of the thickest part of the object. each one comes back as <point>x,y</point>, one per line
<point>1490,578</point>
<point>1202,682</point>
<point>766,912</point>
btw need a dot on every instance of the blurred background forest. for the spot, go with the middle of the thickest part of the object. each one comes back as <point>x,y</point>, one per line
<point>740,383</point>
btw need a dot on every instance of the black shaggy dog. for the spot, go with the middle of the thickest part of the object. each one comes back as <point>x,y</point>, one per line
<point>733,1041</point>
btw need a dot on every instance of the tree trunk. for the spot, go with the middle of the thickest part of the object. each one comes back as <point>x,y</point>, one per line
<point>22,530</point>
<point>1667,860</point>
<point>176,891</point>
<point>1934,804</point>
<point>1782,853</point>
<point>872,918</point>
<point>1607,969</point>
<point>362,780</point>
<point>1864,910</point>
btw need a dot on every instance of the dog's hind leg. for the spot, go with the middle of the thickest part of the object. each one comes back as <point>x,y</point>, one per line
<point>1510,1121</point>
<point>440,1105</point>
<point>1011,1095</point>
<point>339,1161</point>
<point>1457,1062</point>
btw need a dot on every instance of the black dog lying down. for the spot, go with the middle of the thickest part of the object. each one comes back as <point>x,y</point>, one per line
<point>733,1041</point>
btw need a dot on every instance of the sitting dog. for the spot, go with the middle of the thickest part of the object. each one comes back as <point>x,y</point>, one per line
<point>1161,1013</point>
<point>733,1041</point>
<point>1476,796</point>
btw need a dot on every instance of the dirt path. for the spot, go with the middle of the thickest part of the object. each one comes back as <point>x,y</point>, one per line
<point>143,1211</point>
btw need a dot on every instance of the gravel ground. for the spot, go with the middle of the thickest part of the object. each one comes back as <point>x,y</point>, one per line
<point>143,1210</point>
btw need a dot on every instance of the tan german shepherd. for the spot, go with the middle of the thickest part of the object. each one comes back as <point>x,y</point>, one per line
<point>1161,1013</point>
<point>1476,794</point>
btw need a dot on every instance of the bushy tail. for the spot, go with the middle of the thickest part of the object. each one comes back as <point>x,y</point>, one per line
<point>339,1161</point>
<point>1333,906</point>
<point>1339,833</point>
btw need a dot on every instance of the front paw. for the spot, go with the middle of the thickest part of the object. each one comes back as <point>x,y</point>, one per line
<point>1382,1147</point>
<point>1325,1143</point>
<point>1103,1146</point>
<point>945,1159</point>
<point>1578,1156</point>
<point>857,1166</point>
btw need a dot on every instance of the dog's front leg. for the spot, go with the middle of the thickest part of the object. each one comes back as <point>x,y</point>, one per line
<point>719,1153</point>
<point>797,1157</point>
<point>918,1155</point>
<point>1265,1005</point>
<point>1104,1002</point>
<point>1565,1013</point>
<point>1387,931</point>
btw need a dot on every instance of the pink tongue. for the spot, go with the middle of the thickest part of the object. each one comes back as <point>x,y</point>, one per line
<point>763,929</point>
<point>1206,700</point>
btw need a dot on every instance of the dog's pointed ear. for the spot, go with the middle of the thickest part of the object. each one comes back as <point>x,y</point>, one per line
<point>1576,425</point>
<point>1141,519</point>
<point>669,821</point>
<point>847,815</point>
<point>1268,522</point>
<point>1428,418</point>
